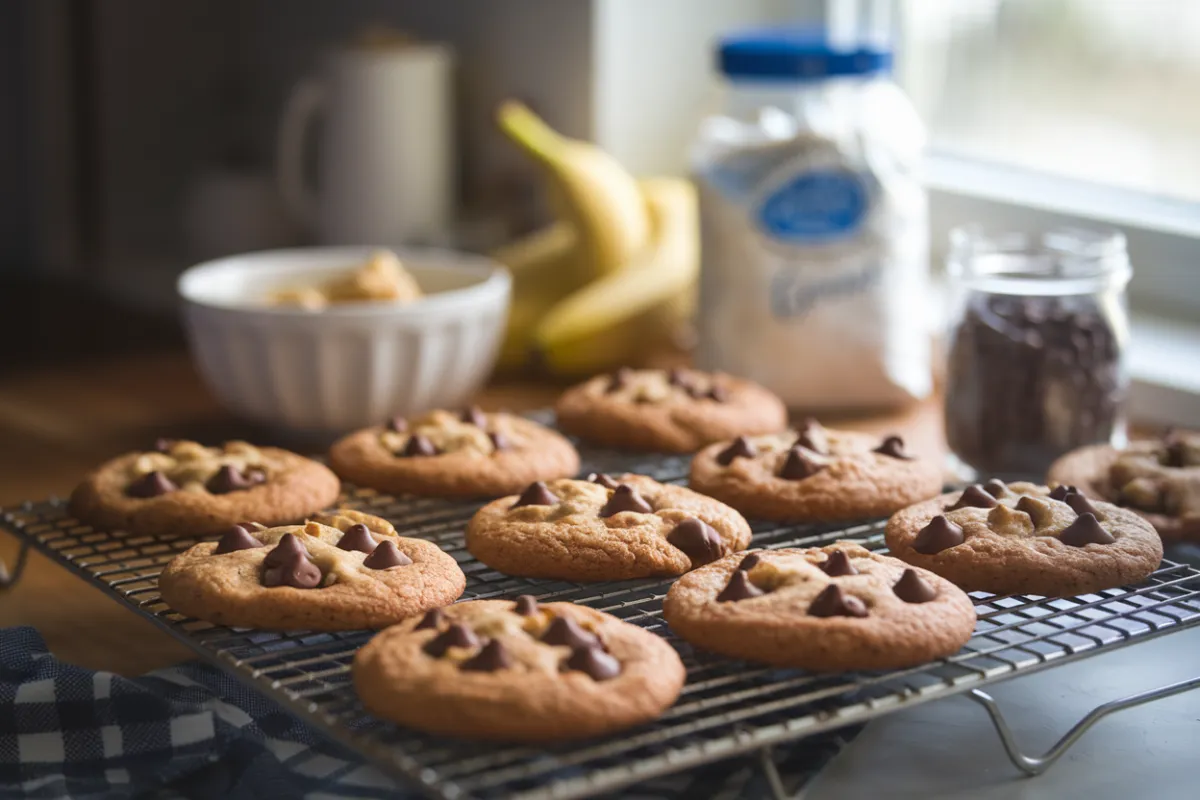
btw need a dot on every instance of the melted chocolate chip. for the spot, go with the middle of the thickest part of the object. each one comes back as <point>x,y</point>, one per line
<point>606,481</point>
<point>1061,491</point>
<point>750,561</point>
<point>996,488</point>
<point>813,436</point>
<point>619,380</point>
<point>566,631</point>
<point>718,394</point>
<point>358,537</point>
<point>152,484</point>
<point>940,534</point>
<point>1085,530</point>
<point>625,498</point>
<point>236,538</point>
<point>678,377</point>
<point>419,445</point>
<point>741,447</point>
<point>801,463</point>
<point>432,620</point>
<point>457,635</point>
<point>974,496</point>
<point>387,555</point>
<point>739,588</point>
<point>499,442</point>
<point>289,565</point>
<point>397,424</point>
<point>492,658</point>
<point>833,602</point>
<point>286,548</point>
<point>231,479</point>
<point>526,605</point>
<point>838,564</point>
<point>536,494</point>
<point>1080,504</point>
<point>912,588</point>
<point>893,446</point>
<point>698,541</point>
<point>474,415</point>
<point>593,662</point>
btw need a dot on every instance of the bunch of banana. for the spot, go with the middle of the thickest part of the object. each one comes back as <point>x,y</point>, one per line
<point>614,277</point>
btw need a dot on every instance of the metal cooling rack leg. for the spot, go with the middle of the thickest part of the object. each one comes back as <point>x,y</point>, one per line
<point>1036,765</point>
<point>9,579</point>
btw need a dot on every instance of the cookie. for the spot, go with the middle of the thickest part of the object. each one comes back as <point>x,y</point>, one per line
<point>340,571</point>
<point>1021,538</point>
<point>826,609</point>
<point>814,475</point>
<point>517,671</point>
<point>449,454</point>
<point>604,529</point>
<point>675,411</point>
<point>182,488</point>
<point>1157,479</point>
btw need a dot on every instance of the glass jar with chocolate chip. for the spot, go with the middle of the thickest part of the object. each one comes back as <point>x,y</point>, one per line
<point>1036,362</point>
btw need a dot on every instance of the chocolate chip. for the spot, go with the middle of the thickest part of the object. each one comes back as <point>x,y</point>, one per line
<point>974,496</point>
<point>619,380</point>
<point>492,658</point>
<point>750,562</point>
<point>536,494</point>
<point>236,538</point>
<point>253,526</point>
<point>295,570</point>
<point>457,635</point>
<point>397,424</point>
<point>1038,510</point>
<point>163,445</point>
<point>1061,491</point>
<point>387,555</point>
<point>697,540</point>
<point>152,484</point>
<point>474,415</point>
<point>527,605</point>
<point>912,588</point>
<point>419,445</point>
<point>286,548</point>
<point>1080,504</point>
<point>832,602</point>
<point>800,463</point>
<point>625,498</point>
<point>838,564</point>
<point>499,442</point>
<point>566,631</point>
<point>432,620</point>
<point>893,446</point>
<point>813,436</point>
<point>940,534</point>
<point>230,479</point>
<point>593,662</point>
<point>741,447</point>
<point>996,488</point>
<point>739,588</point>
<point>718,394</point>
<point>677,377</point>
<point>358,537</point>
<point>1085,530</point>
<point>606,481</point>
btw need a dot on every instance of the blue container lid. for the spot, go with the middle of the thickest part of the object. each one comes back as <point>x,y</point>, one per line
<point>795,54</point>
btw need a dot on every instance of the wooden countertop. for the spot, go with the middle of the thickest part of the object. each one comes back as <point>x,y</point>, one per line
<point>56,424</point>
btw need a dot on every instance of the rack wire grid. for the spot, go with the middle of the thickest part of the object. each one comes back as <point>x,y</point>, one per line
<point>727,707</point>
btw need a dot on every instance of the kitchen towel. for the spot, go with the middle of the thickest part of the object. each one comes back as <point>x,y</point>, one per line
<point>193,731</point>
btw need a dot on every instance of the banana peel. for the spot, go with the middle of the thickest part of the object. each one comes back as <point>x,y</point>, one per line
<point>613,320</point>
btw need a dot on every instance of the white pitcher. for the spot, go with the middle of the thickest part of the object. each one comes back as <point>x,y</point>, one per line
<point>384,159</point>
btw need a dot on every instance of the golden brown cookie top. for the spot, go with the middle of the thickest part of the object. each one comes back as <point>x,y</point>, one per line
<point>440,432</point>
<point>795,455</point>
<point>657,386</point>
<point>179,464</point>
<point>1159,476</point>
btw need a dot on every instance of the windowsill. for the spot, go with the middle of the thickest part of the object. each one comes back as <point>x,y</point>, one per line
<point>1164,390</point>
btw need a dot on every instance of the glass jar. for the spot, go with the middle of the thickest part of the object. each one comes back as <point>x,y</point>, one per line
<point>1039,327</point>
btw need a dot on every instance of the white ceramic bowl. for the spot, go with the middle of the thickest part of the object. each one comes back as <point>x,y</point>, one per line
<point>351,365</point>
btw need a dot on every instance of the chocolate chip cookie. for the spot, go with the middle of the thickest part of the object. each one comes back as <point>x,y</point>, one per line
<point>1158,479</point>
<point>674,411</point>
<point>814,474</point>
<point>454,454</point>
<point>1021,538</point>
<point>339,571</point>
<point>833,608</point>
<point>517,671</point>
<point>604,529</point>
<point>181,488</point>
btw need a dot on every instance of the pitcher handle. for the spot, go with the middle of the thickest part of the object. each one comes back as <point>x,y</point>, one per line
<point>303,104</point>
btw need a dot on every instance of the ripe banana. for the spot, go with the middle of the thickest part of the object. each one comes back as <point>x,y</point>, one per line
<point>595,194</point>
<point>613,320</point>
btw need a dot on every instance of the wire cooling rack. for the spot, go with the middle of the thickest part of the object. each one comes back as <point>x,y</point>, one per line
<point>727,707</point>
